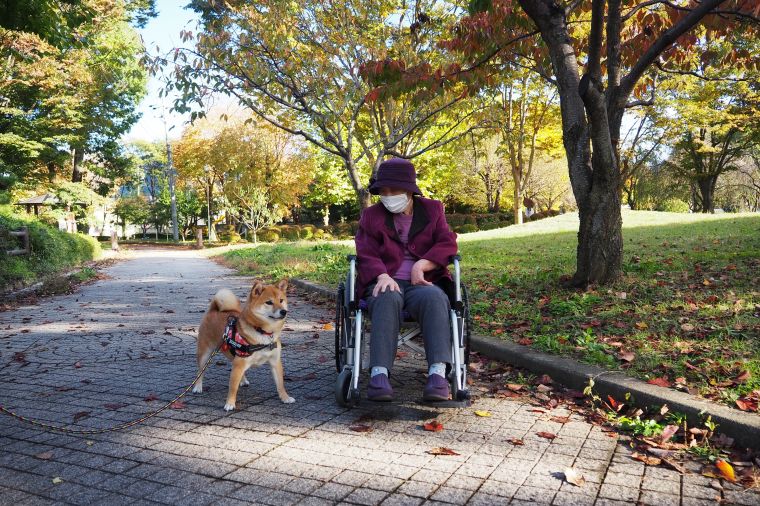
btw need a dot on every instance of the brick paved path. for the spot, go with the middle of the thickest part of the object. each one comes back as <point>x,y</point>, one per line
<point>96,355</point>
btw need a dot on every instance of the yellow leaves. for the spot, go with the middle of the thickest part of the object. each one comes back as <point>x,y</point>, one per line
<point>484,414</point>
<point>726,470</point>
<point>57,480</point>
<point>641,325</point>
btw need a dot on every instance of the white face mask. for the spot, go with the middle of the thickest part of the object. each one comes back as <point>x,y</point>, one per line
<point>395,203</point>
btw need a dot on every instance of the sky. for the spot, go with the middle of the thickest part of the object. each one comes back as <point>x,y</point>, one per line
<point>162,31</point>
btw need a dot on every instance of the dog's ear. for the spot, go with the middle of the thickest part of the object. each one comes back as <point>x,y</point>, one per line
<point>257,289</point>
<point>283,285</point>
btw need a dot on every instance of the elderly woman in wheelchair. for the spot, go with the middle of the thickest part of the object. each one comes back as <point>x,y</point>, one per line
<point>403,247</point>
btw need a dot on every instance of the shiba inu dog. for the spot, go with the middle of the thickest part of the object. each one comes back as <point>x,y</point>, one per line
<point>249,335</point>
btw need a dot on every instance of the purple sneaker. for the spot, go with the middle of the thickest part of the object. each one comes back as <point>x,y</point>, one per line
<point>379,388</point>
<point>436,389</point>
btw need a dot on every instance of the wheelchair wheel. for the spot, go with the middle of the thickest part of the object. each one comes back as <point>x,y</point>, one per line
<point>343,389</point>
<point>341,336</point>
<point>467,319</point>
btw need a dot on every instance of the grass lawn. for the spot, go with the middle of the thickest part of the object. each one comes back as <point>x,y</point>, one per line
<point>686,313</point>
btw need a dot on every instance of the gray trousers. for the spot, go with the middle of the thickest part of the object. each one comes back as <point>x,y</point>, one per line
<point>428,305</point>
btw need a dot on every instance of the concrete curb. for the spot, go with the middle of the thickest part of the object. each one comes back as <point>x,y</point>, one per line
<point>743,427</point>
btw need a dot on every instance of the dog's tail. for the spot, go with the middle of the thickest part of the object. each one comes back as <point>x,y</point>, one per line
<point>224,300</point>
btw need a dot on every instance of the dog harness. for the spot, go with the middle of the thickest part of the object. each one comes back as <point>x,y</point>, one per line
<point>237,345</point>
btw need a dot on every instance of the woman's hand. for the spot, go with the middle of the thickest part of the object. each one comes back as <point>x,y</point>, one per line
<point>419,269</point>
<point>384,282</point>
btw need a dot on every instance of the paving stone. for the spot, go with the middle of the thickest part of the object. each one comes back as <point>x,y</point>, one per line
<point>333,491</point>
<point>366,496</point>
<point>534,495</point>
<point>452,495</point>
<point>652,498</point>
<point>618,492</point>
<point>570,499</point>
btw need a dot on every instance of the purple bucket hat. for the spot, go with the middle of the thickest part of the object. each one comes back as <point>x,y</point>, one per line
<point>395,173</point>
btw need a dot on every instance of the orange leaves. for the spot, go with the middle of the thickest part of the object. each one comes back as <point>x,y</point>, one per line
<point>749,402</point>
<point>660,382</point>
<point>726,470</point>
<point>546,435</point>
<point>360,427</point>
<point>433,426</point>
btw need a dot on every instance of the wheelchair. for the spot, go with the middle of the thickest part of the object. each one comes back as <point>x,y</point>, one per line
<point>351,327</point>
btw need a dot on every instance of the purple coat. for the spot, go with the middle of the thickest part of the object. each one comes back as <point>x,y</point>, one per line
<point>379,249</point>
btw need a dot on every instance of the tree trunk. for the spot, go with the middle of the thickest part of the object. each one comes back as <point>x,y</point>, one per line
<point>77,158</point>
<point>517,206</point>
<point>600,239</point>
<point>707,193</point>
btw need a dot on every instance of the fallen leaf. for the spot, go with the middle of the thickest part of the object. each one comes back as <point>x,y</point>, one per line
<point>742,377</point>
<point>322,359</point>
<point>547,435</point>
<point>515,441</point>
<point>441,451</point>
<point>525,341</point>
<point>57,480</point>
<point>560,419</point>
<point>574,477</point>
<point>77,365</point>
<point>659,452</point>
<point>483,413</point>
<point>80,415</point>
<point>328,326</point>
<point>687,327</point>
<point>114,406</point>
<point>626,356</point>
<point>678,467</point>
<point>726,470</point>
<point>660,382</point>
<point>360,427</point>
<point>178,405</point>
<point>668,432</point>
<point>641,325</point>
<point>433,426</point>
<point>45,455</point>
<point>544,388</point>
<point>746,404</point>
<point>646,459</point>
<point>515,387</point>
<point>151,397</point>
<point>401,354</point>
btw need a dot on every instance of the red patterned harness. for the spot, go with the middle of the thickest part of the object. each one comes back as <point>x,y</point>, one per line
<point>237,345</point>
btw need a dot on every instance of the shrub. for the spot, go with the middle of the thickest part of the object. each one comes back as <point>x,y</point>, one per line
<point>455,220</point>
<point>268,235</point>
<point>673,206</point>
<point>51,249</point>
<point>464,229</point>
<point>289,232</point>
<point>307,232</point>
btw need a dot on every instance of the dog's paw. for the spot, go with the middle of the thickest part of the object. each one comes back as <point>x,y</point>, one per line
<point>229,407</point>
<point>198,389</point>
<point>288,400</point>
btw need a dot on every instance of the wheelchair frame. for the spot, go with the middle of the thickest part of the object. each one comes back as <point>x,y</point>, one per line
<point>350,326</point>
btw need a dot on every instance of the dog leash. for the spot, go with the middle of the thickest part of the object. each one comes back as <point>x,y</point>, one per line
<point>65,430</point>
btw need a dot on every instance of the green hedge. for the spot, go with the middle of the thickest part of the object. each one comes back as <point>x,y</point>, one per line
<point>51,250</point>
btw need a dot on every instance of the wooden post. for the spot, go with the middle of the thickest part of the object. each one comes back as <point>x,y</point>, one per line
<point>199,238</point>
<point>114,241</point>
<point>23,234</point>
